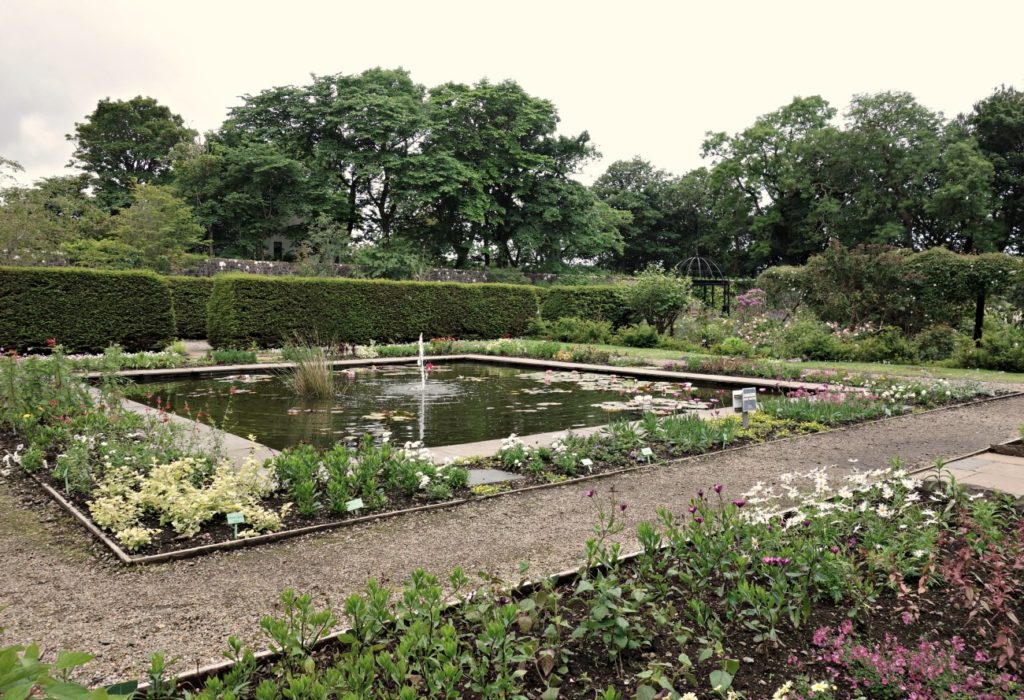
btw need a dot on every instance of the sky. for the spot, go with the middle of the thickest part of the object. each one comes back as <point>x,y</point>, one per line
<point>642,77</point>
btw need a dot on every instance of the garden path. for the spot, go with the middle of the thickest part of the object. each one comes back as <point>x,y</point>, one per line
<point>60,588</point>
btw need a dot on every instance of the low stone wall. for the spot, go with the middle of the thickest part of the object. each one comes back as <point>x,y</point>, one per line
<point>213,266</point>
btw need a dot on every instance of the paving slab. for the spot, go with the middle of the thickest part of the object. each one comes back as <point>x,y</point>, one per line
<point>479,477</point>
<point>989,470</point>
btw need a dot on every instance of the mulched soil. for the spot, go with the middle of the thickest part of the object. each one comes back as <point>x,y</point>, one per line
<point>61,587</point>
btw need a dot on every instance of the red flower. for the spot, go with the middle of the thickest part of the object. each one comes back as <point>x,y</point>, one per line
<point>50,342</point>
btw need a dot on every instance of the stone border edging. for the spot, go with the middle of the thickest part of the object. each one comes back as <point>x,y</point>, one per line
<point>311,529</point>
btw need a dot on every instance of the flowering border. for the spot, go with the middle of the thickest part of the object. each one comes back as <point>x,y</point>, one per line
<point>268,538</point>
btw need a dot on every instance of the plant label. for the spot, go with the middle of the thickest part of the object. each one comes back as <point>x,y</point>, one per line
<point>354,504</point>
<point>749,400</point>
<point>587,462</point>
<point>237,518</point>
<point>647,453</point>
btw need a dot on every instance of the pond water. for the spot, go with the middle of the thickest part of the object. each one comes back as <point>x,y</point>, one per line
<point>462,402</point>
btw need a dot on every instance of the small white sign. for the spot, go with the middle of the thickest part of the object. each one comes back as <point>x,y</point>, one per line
<point>587,462</point>
<point>236,518</point>
<point>744,400</point>
<point>354,504</point>
<point>647,452</point>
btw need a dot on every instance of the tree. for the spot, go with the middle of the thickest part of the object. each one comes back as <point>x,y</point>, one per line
<point>124,142</point>
<point>997,123</point>
<point>658,297</point>
<point>160,227</point>
<point>241,194</point>
<point>11,166</point>
<point>637,187</point>
<point>767,178</point>
<point>500,145</point>
<point>36,222</point>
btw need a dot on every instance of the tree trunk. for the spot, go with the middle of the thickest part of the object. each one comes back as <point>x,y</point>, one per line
<point>979,318</point>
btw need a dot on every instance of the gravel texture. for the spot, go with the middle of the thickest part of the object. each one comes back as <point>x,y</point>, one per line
<point>61,587</point>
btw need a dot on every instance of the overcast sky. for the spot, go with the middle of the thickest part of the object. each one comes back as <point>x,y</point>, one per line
<point>645,78</point>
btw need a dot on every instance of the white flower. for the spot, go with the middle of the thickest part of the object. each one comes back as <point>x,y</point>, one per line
<point>424,480</point>
<point>783,691</point>
<point>821,687</point>
<point>919,553</point>
<point>883,511</point>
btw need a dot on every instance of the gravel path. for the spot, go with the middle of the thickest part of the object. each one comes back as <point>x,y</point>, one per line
<point>61,588</point>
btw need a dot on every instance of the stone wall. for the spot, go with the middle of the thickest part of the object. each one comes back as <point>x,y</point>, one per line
<point>212,266</point>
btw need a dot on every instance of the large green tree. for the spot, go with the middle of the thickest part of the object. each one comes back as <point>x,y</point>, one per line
<point>997,123</point>
<point>241,194</point>
<point>124,142</point>
<point>768,179</point>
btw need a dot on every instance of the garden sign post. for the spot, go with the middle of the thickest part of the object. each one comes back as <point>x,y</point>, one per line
<point>745,401</point>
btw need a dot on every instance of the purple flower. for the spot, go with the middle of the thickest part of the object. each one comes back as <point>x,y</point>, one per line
<point>717,488</point>
<point>739,503</point>
<point>700,494</point>
<point>692,509</point>
<point>590,493</point>
<point>622,507</point>
<point>775,561</point>
<point>697,519</point>
<point>834,549</point>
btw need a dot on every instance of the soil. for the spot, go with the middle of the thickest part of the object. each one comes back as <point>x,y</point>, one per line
<point>61,587</point>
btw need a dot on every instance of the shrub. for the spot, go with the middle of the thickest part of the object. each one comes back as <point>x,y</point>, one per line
<point>658,298</point>
<point>638,335</point>
<point>190,296</point>
<point>573,330</point>
<point>267,311</point>
<point>228,356</point>
<point>938,343</point>
<point>1002,348</point>
<point>734,346</point>
<point>597,302</point>
<point>888,345</point>
<point>85,310</point>
<point>783,287</point>
<point>811,340</point>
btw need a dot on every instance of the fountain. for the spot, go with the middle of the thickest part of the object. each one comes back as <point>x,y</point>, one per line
<point>423,368</point>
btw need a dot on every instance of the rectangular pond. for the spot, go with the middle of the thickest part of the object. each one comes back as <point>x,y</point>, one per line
<point>462,402</point>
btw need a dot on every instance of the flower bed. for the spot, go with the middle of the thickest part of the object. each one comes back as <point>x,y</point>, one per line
<point>872,587</point>
<point>157,489</point>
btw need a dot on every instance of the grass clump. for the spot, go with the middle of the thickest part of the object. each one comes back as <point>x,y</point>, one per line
<point>312,377</point>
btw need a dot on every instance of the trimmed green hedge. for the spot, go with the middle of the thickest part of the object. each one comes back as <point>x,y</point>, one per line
<point>269,311</point>
<point>85,310</point>
<point>190,296</point>
<point>592,302</point>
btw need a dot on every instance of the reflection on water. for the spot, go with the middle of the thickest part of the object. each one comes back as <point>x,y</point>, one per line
<point>462,402</point>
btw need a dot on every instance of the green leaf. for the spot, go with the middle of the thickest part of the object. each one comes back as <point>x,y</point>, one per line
<point>18,692</point>
<point>549,694</point>
<point>71,659</point>
<point>645,692</point>
<point>125,689</point>
<point>720,680</point>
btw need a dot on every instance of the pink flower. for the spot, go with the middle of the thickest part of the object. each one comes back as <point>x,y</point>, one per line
<point>50,342</point>
<point>739,503</point>
<point>590,493</point>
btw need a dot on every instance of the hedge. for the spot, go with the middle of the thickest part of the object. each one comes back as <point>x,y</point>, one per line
<point>190,296</point>
<point>85,310</point>
<point>592,302</point>
<point>269,311</point>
